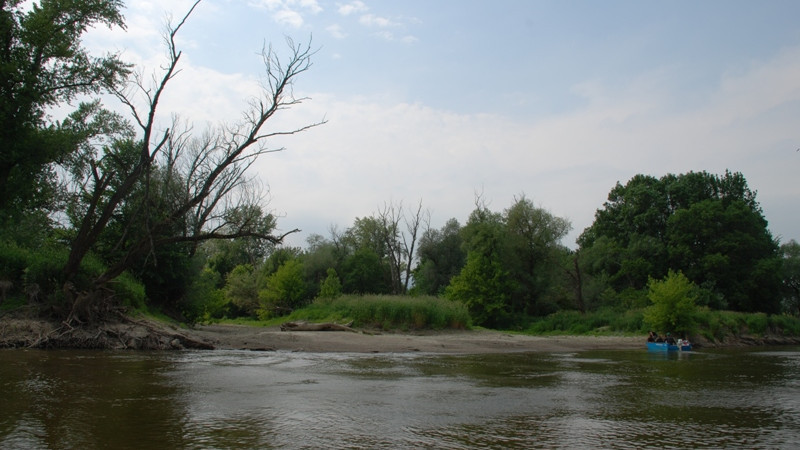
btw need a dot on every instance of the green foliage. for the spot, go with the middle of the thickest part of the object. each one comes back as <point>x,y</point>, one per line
<point>784,324</point>
<point>533,256</point>
<point>708,227</point>
<point>130,290</point>
<point>42,64</point>
<point>602,321</point>
<point>441,257</point>
<point>364,273</point>
<point>205,299</point>
<point>513,265</point>
<point>790,275</point>
<point>241,289</point>
<point>331,287</point>
<point>673,307</point>
<point>484,288</point>
<point>388,312</point>
<point>285,291</point>
<point>483,284</point>
<point>35,275</point>
<point>719,325</point>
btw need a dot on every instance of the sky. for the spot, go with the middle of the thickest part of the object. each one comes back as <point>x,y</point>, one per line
<point>444,101</point>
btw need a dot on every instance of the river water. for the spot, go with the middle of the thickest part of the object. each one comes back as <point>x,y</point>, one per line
<point>236,399</point>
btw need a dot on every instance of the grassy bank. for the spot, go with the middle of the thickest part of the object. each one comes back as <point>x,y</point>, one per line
<point>712,325</point>
<point>414,313</point>
<point>386,312</point>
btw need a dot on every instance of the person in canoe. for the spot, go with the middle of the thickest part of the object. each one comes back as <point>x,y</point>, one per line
<point>652,336</point>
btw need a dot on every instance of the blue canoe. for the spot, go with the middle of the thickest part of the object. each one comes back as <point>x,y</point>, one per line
<point>664,347</point>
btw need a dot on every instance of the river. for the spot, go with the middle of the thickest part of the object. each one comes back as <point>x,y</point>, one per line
<point>236,399</point>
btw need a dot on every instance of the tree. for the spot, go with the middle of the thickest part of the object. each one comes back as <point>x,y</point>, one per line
<point>241,289</point>
<point>534,255</point>
<point>216,200</point>
<point>708,227</point>
<point>399,245</point>
<point>673,305</point>
<point>727,247</point>
<point>791,277</point>
<point>42,64</point>
<point>441,257</point>
<point>484,284</point>
<point>364,273</point>
<point>319,258</point>
<point>331,287</point>
<point>285,291</point>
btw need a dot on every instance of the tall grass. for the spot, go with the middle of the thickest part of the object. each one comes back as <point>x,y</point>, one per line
<point>716,325</point>
<point>387,312</point>
<point>711,324</point>
<point>602,321</point>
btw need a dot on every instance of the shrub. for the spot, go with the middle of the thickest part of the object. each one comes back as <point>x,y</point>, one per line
<point>241,289</point>
<point>331,286</point>
<point>756,323</point>
<point>673,305</point>
<point>285,291</point>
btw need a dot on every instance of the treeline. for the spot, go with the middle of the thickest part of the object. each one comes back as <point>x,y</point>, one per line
<point>698,234</point>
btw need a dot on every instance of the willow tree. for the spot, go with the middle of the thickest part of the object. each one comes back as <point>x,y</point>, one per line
<point>43,65</point>
<point>171,185</point>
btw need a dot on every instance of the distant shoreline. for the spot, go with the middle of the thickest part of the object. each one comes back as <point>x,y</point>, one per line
<point>148,334</point>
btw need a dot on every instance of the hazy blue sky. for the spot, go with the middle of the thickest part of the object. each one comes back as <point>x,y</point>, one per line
<point>439,100</point>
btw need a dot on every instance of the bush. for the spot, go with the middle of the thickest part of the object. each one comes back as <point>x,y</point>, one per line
<point>331,286</point>
<point>241,289</point>
<point>130,291</point>
<point>285,291</point>
<point>673,305</point>
<point>602,321</point>
<point>756,323</point>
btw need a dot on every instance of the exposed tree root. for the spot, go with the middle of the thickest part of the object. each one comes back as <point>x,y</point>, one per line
<point>123,333</point>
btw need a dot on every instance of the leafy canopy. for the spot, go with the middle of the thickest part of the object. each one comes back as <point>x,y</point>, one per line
<point>709,227</point>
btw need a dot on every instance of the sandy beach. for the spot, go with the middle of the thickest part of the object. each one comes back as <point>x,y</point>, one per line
<point>448,342</point>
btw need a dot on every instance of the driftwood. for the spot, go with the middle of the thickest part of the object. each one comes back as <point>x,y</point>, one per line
<point>327,326</point>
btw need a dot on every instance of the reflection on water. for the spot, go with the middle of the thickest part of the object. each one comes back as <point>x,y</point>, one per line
<point>220,399</point>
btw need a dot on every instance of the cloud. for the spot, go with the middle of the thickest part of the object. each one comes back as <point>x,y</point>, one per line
<point>336,31</point>
<point>288,17</point>
<point>289,12</point>
<point>372,20</point>
<point>371,151</point>
<point>383,23</point>
<point>374,150</point>
<point>355,7</point>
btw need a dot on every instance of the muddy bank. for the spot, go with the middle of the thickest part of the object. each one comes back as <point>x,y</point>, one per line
<point>129,334</point>
<point>476,341</point>
<point>147,334</point>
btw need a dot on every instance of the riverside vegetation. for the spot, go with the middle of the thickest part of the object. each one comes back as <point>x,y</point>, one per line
<point>103,215</point>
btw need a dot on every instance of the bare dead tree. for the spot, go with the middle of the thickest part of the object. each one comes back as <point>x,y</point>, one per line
<point>413,225</point>
<point>190,188</point>
<point>400,245</point>
<point>389,218</point>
